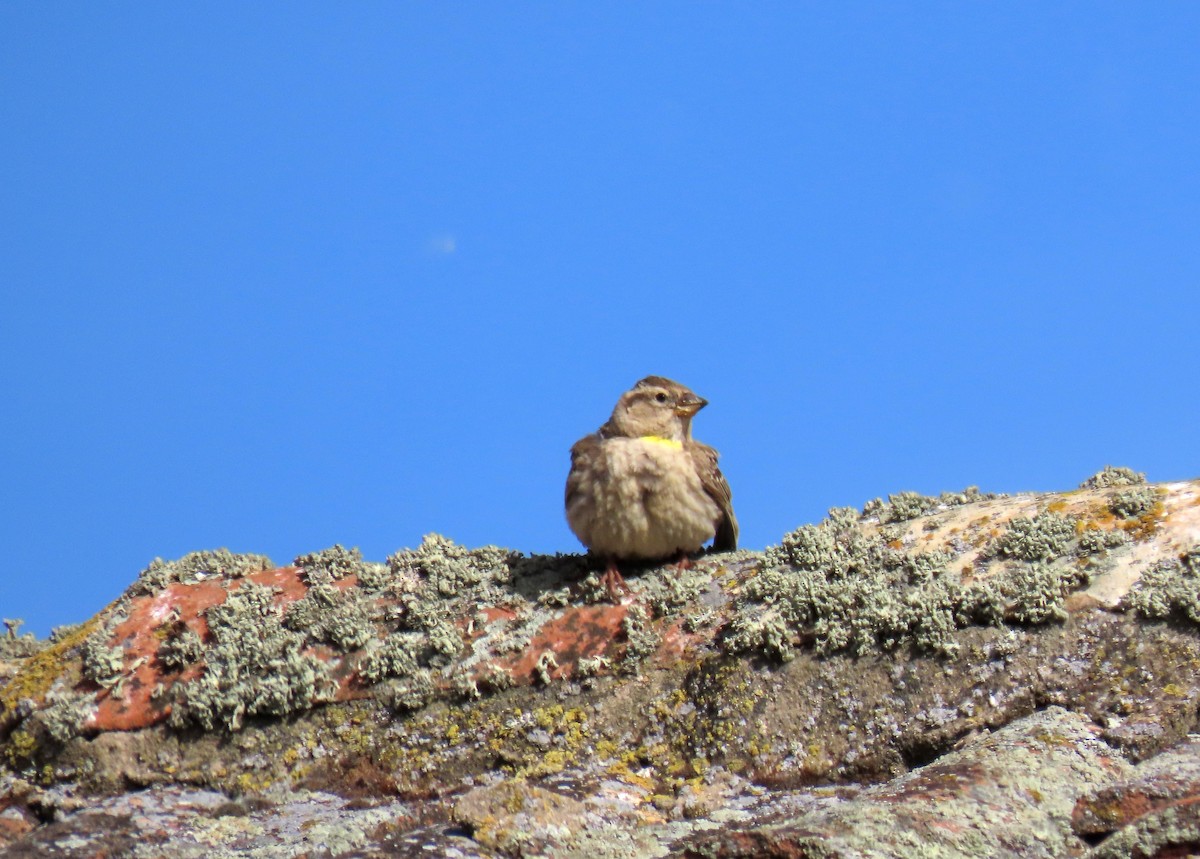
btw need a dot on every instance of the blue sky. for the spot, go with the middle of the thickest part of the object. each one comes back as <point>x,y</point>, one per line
<point>283,275</point>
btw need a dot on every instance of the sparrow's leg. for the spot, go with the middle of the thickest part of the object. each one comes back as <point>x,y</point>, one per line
<point>614,581</point>
<point>684,562</point>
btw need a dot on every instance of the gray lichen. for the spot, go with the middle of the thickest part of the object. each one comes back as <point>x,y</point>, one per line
<point>14,646</point>
<point>592,666</point>
<point>464,684</point>
<point>258,658</point>
<point>452,569</point>
<point>102,664</point>
<point>181,648</point>
<point>1096,540</point>
<point>197,566</point>
<point>641,638</point>
<point>1170,588</point>
<point>1043,538</point>
<point>65,713</point>
<point>494,678</point>
<point>409,693</point>
<point>1113,476</point>
<point>904,506</point>
<point>836,586</point>
<point>1133,503</point>
<point>666,592</point>
<point>328,615</point>
<point>331,564</point>
<point>59,633</point>
<point>767,633</point>
<point>397,655</point>
<point>546,662</point>
<point>376,577</point>
<point>833,583</point>
<point>900,507</point>
<point>445,640</point>
<point>1038,592</point>
<point>253,665</point>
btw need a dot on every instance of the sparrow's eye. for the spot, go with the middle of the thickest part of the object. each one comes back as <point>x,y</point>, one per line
<point>660,397</point>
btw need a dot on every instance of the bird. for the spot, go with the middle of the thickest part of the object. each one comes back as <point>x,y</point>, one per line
<point>641,487</point>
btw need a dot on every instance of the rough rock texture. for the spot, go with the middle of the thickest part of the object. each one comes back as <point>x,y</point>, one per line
<point>962,675</point>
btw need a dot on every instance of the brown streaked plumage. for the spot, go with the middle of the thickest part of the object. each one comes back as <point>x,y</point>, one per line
<point>641,487</point>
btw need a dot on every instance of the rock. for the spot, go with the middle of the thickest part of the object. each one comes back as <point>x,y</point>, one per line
<point>1015,673</point>
<point>1008,794</point>
<point>515,815</point>
<point>15,822</point>
<point>1152,807</point>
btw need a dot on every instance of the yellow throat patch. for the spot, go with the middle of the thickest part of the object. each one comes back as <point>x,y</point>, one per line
<point>665,442</point>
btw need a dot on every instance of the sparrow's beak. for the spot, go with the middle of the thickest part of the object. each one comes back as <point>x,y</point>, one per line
<point>687,407</point>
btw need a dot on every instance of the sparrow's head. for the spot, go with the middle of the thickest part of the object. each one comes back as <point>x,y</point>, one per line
<point>656,407</point>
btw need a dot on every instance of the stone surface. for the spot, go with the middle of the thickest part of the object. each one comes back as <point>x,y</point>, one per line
<point>1008,794</point>
<point>957,676</point>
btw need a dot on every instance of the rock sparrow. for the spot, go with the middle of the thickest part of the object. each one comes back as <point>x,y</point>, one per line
<point>641,487</point>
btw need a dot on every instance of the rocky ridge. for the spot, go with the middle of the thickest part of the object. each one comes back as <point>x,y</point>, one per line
<point>959,675</point>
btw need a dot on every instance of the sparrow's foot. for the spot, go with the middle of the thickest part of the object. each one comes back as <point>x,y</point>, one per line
<point>614,582</point>
<point>684,561</point>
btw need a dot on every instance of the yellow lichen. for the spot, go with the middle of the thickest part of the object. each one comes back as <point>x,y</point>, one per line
<point>252,783</point>
<point>20,748</point>
<point>38,674</point>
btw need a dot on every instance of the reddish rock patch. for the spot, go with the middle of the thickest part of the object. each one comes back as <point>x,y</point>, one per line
<point>579,633</point>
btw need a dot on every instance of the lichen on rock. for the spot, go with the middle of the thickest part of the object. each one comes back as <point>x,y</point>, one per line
<point>1170,588</point>
<point>196,566</point>
<point>844,587</point>
<point>181,647</point>
<point>904,506</point>
<point>748,697</point>
<point>1113,476</point>
<point>334,563</point>
<point>328,615</point>
<point>1096,540</point>
<point>452,569</point>
<point>1132,503</point>
<point>15,646</point>
<point>1044,537</point>
<point>252,666</point>
<point>845,590</point>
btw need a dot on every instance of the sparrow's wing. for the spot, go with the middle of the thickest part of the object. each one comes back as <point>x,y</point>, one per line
<point>704,458</point>
<point>587,462</point>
